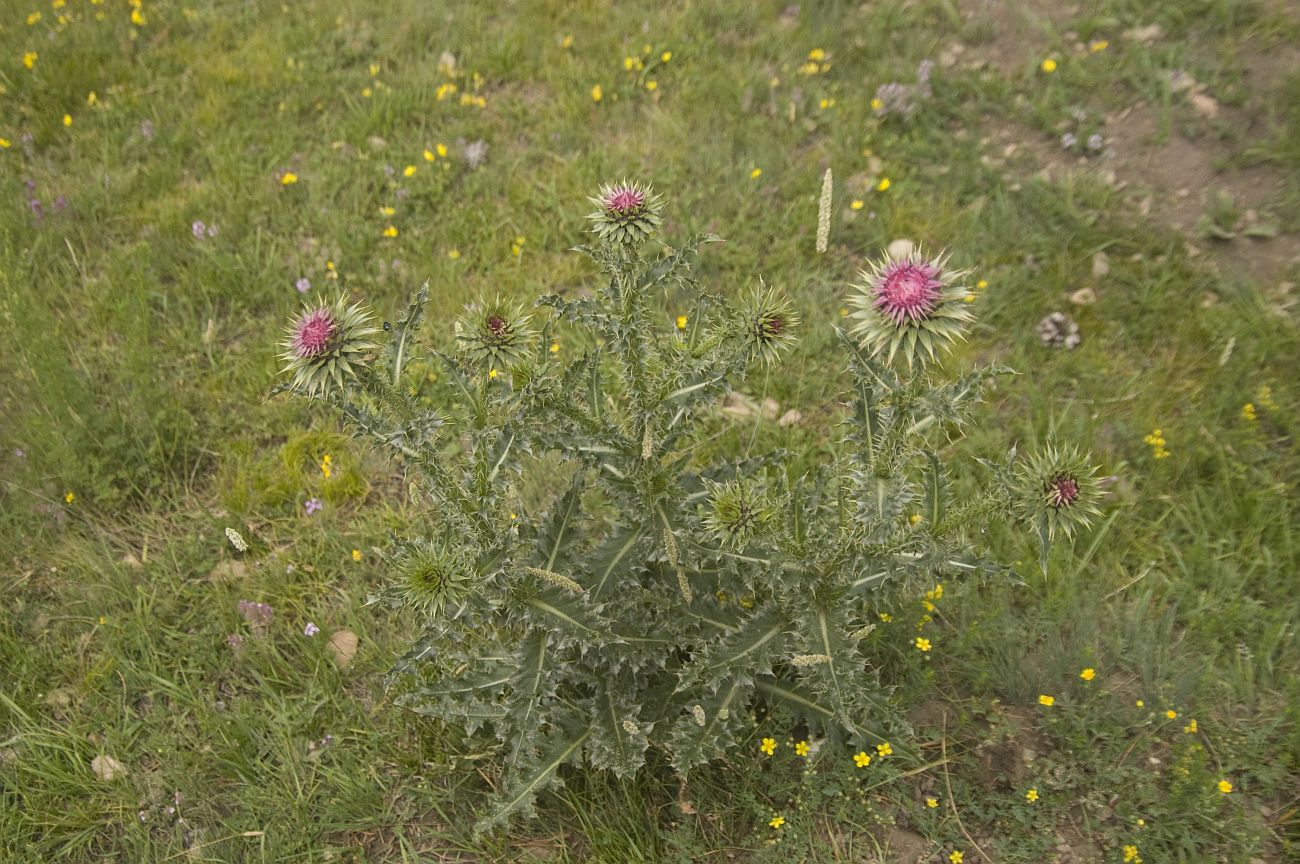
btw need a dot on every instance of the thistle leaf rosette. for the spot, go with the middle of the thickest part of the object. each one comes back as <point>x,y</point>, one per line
<point>495,333</point>
<point>626,212</point>
<point>328,346</point>
<point>1058,491</point>
<point>913,305</point>
<point>769,320</point>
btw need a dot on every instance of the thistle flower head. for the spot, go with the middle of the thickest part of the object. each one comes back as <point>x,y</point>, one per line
<point>1058,491</point>
<point>738,510</point>
<point>769,320</point>
<point>495,333</point>
<point>911,304</point>
<point>434,577</point>
<point>327,346</point>
<point>626,212</point>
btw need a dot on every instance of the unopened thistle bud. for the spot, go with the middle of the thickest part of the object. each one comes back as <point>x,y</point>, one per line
<point>626,212</point>
<point>911,305</point>
<point>328,346</point>
<point>556,579</point>
<point>631,728</point>
<point>697,712</point>
<point>1059,491</point>
<point>494,333</point>
<point>799,661</point>
<point>738,511</point>
<point>647,442</point>
<point>434,577</point>
<point>769,321</point>
<point>824,213</point>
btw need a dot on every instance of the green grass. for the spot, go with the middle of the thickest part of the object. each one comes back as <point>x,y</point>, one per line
<point>138,359</point>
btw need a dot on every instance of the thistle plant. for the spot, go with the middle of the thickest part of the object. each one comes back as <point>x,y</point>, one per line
<point>662,593</point>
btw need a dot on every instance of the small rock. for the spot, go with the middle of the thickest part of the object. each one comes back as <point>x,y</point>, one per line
<point>1206,106</point>
<point>1058,330</point>
<point>107,768</point>
<point>343,645</point>
<point>475,153</point>
<point>790,418</point>
<point>1100,265</point>
<point>1083,297</point>
<point>1145,35</point>
<point>59,697</point>
<point>900,248</point>
<point>376,143</point>
<point>771,408</point>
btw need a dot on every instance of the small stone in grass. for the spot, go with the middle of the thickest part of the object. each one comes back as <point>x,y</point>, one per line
<point>343,645</point>
<point>107,768</point>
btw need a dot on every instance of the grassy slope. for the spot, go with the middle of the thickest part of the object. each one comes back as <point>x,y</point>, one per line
<point>138,359</point>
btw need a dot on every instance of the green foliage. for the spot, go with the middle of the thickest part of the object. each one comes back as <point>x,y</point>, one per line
<point>605,626</point>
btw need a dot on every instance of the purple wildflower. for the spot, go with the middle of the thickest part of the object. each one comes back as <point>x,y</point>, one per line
<point>1095,141</point>
<point>198,229</point>
<point>313,505</point>
<point>303,285</point>
<point>310,630</point>
<point>1068,140</point>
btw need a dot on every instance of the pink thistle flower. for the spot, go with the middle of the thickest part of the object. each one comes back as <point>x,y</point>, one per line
<point>1062,491</point>
<point>312,334</point>
<point>623,198</point>
<point>908,290</point>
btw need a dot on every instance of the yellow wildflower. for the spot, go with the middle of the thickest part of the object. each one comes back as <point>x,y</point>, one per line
<point>137,18</point>
<point>390,231</point>
<point>356,554</point>
<point>555,347</point>
<point>768,746</point>
<point>1191,728</point>
<point>453,254</point>
<point>1096,46</point>
<point>1225,787</point>
<point>429,155</point>
<point>69,497</point>
<point>5,144</point>
<point>856,204</point>
<point>876,104</point>
<point>681,322</point>
<point>883,185</point>
<point>777,821</point>
<point>408,171</point>
<point>666,56</point>
<point>288,178</point>
<point>956,857</point>
<point>1248,412</point>
<point>932,803</point>
<point>922,644</point>
<point>29,59</point>
<point>596,93</point>
<point>1171,714</point>
<point>67,119</point>
<point>1031,796</point>
<point>1048,66</point>
<point>1141,704</point>
<point>1044,699</point>
<point>492,374</point>
<point>567,42</point>
<point>801,748</point>
<point>1131,855</point>
<point>861,759</point>
<point>884,750</point>
<point>33,18</point>
<point>756,173</point>
<point>441,149</point>
<point>1088,674</point>
<point>652,85</point>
